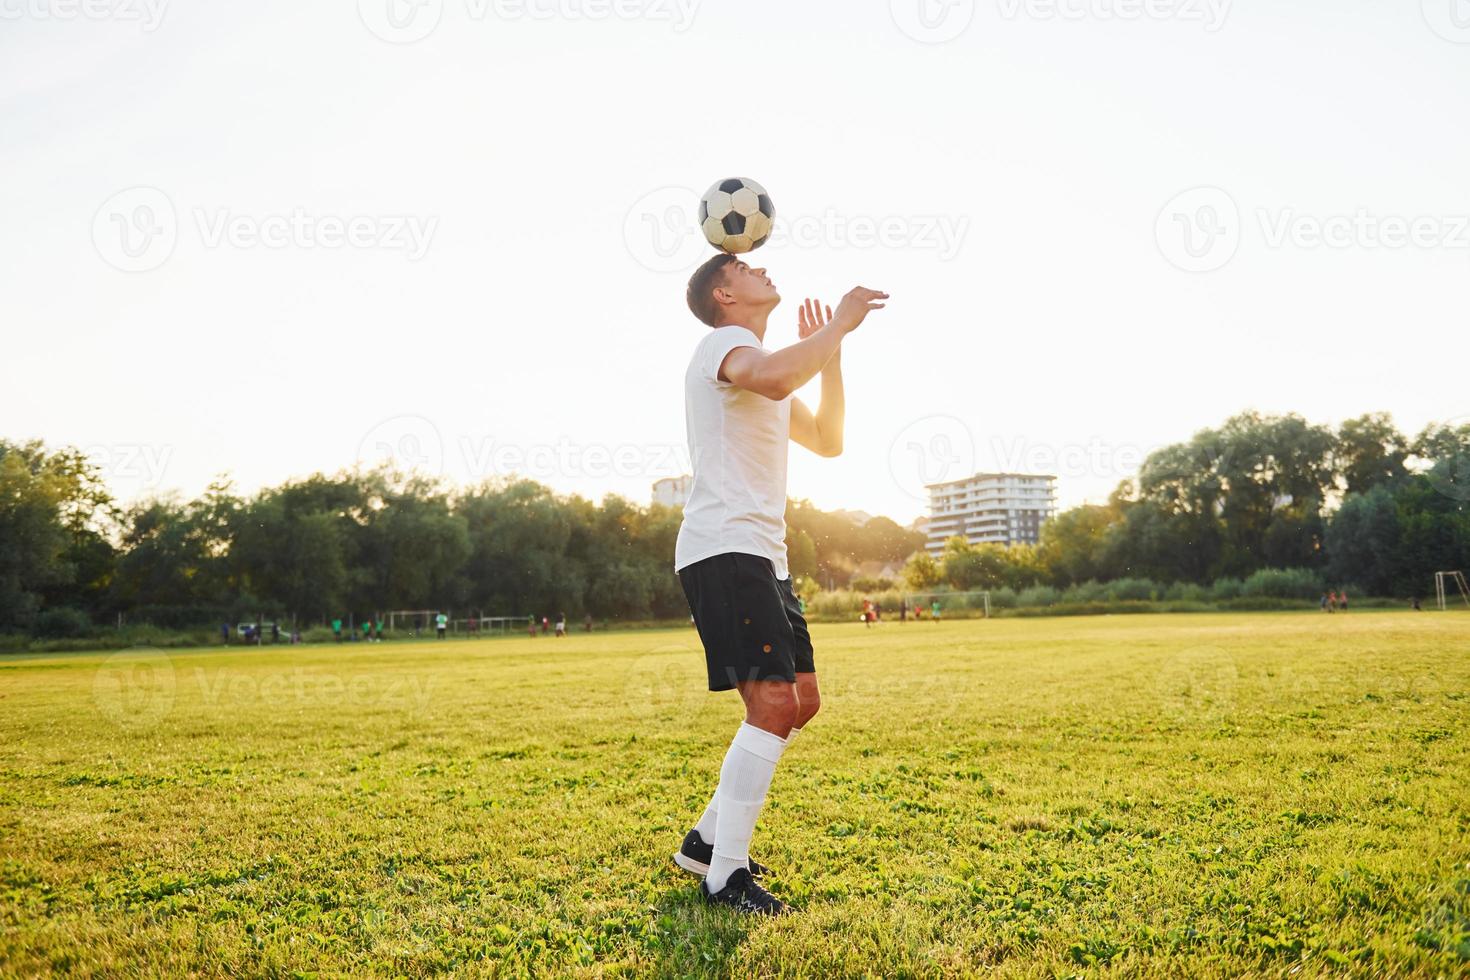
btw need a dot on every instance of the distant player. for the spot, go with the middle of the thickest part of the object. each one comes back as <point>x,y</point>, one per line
<point>561,624</point>
<point>441,623</point>
<point>731,551</point>
<point>337,629</point>
<point>934,609</point>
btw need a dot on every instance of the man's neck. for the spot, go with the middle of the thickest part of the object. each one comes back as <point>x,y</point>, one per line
<point>752,320</point>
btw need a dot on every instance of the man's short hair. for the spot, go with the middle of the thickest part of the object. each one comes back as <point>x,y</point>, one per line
<point>702,285</point>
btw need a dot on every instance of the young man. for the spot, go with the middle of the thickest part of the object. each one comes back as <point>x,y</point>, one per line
<point>731,551</point>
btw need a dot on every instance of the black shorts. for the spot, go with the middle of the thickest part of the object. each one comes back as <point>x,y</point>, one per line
<point>749,621</point>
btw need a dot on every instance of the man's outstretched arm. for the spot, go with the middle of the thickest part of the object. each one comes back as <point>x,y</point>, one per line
<point>778,374</point>
<point>822,432</point>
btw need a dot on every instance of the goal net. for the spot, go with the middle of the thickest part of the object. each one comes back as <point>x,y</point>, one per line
<point>922,603</point>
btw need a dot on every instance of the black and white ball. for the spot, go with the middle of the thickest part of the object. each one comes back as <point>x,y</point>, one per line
<point>736,215</point>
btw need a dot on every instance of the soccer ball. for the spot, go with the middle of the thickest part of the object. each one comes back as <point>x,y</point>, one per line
<point>736,215</point>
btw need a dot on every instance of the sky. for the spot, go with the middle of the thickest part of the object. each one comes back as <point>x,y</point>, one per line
<point>283,237</point>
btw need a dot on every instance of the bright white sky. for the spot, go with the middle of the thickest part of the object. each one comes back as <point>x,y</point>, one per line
<point>1024,170</point>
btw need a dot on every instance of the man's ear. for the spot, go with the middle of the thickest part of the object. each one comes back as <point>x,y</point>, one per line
<point>723,295</point>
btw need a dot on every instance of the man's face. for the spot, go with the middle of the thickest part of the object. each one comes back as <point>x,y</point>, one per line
<point>748,286</point>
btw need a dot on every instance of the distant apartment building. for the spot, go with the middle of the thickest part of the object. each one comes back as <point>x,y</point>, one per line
<point>1004,508</point>
<point>673,491</point>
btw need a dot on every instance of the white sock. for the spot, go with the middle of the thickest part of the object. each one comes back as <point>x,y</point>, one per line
<point>707,821</point>
<point>706,826</point>
<point>744,779</point>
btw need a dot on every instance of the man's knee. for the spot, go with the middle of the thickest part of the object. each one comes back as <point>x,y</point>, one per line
<point>772,706</point>
<point>807,708</point>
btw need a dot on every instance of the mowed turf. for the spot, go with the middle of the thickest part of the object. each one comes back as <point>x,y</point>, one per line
<point>1208,795</point>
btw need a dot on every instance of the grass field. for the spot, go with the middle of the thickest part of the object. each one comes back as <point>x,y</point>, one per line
<point>1209,795</point>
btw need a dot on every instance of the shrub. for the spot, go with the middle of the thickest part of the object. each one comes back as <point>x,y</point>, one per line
<point>1131,589</point>
<point>1038,595</point>
<point>1186,592</point>
<point>1283,583</point>
<point>1090,591</point>
<point>1225,589</point>
<point>62,623</point>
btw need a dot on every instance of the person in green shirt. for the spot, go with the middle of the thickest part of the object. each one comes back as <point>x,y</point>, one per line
<point>337,629</point>
<point>934,610</point>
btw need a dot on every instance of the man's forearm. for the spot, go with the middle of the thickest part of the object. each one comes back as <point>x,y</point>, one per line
<point>791,367</point>
<point>833,409</point>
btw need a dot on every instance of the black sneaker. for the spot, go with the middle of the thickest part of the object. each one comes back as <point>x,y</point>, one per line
<point>695,855</point>
<point>742,894</point>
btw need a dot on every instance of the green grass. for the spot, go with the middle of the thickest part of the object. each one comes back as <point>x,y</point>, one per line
<point>1211,795</point>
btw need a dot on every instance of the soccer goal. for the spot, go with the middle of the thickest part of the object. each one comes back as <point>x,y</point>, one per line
<point>1442,584</point>
<point>948,602</point>
<point>492,624</point>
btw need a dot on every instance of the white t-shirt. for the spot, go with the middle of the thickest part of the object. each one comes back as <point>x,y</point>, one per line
<point>738,446</point>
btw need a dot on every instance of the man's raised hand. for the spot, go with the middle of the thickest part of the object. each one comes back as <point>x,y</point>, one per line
<point>809,319</point>
<point>856,306</point>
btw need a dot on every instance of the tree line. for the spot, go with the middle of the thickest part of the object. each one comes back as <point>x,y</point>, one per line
<point>356,544</point>
<point>1361,506</point>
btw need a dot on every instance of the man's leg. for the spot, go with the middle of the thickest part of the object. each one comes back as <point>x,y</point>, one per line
<point>745,776</point>
<point>809,701</point>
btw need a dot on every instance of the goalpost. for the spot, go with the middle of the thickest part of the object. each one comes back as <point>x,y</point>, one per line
<point>486,624</point>
<point>1441,587</point>
<point>948,601</point>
